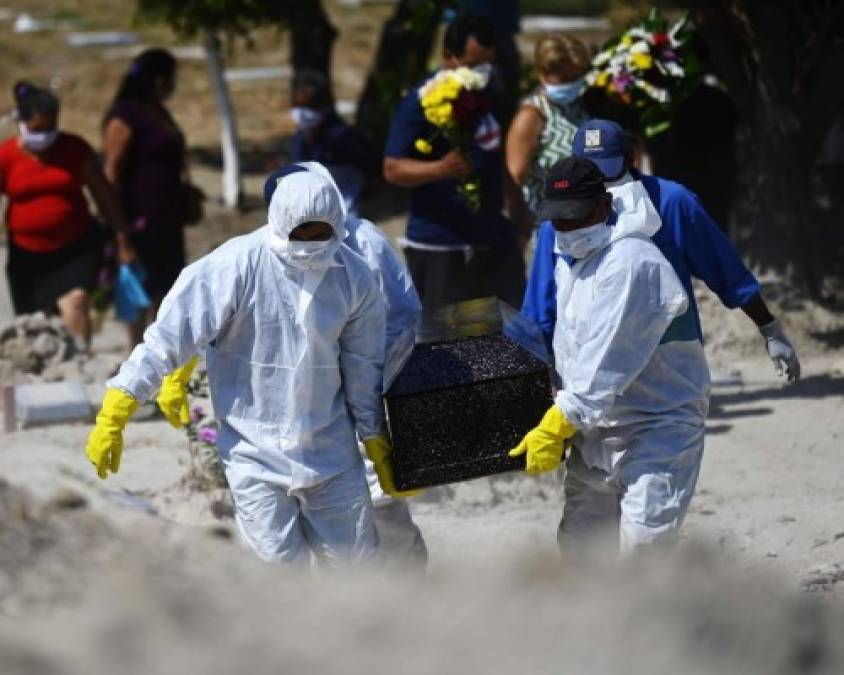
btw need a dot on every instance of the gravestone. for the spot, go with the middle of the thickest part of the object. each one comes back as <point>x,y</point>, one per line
<point>477,382</point>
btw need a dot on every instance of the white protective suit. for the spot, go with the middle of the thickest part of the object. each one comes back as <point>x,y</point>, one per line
<point>295,356</point>
<point>400,539</point>
<point>639,401</point>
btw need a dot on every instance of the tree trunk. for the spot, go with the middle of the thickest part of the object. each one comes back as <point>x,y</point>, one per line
<point>232,184</point>
<point>401,61</point>
<point>313,37</point>
<point>775,212</point>
<point>782,65</point>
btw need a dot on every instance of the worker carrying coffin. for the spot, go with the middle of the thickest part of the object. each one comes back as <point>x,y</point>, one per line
<point>633,397</point>
<point>292,323</point>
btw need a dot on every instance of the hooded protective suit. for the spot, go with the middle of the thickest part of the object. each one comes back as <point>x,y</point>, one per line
<point>637,397</point>
<point>295,350</point>
<point>403,306</point>
<point>399,537</point>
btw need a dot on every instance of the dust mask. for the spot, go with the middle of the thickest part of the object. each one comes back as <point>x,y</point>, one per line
<point>37,141</point>
<point>307,118</point>
<point>580,243</point>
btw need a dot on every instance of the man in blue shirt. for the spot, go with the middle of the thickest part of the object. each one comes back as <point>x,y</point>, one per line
<point>453,253</point>
<point>690,240</point>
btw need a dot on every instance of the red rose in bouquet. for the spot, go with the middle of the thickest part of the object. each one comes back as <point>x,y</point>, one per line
<point>469,109</point>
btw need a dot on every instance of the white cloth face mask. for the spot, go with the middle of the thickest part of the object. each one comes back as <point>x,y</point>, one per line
<point>305,255</point>
<point>306,118</point>
<point>36,140</point>
<point>308,250</point>
<point>580,243</point>
<point>485,70</point>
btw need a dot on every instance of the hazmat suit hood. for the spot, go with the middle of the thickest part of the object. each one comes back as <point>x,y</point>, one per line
<point>299,198</point>
<point>636,212</point>
<point>320,169</point>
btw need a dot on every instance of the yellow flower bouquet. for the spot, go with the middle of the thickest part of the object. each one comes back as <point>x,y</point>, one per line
<point>454,101</point>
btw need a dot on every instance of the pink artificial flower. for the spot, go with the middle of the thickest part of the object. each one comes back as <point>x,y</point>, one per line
<point>197,413</point>
<point>621,81</point>
<point>208,435</point>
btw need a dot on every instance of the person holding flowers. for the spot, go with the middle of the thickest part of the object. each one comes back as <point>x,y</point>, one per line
<point>543,129</point>
<point>444,145</point>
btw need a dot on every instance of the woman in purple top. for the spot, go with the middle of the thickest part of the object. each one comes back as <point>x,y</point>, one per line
<point>144,156</point>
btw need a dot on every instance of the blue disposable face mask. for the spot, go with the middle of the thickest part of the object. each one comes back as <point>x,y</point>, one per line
<point>565,93</point>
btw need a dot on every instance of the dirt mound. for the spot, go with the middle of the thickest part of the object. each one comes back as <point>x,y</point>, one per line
<point>45,546</point>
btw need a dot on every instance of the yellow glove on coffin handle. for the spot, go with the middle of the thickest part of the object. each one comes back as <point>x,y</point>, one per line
<point>379,449</point>
<point>173,396</point>
<point>544,443</point>
<point>105,444</point>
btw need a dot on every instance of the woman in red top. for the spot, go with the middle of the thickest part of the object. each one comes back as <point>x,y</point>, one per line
<point>54,246</point>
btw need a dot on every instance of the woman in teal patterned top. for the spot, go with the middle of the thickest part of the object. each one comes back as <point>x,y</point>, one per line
<point>543,129</point>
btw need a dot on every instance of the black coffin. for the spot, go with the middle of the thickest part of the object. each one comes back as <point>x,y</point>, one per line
<point>459,406</point>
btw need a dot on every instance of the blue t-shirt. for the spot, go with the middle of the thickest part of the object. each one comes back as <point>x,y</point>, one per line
<point>689,239</point>
<point>438,213</point>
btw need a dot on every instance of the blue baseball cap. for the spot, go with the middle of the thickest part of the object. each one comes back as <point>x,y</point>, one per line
<point>604,142</point>
<point>272,180</point>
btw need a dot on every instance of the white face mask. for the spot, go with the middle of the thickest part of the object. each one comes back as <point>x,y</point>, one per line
<point>36,141</point>
<point>580,243</point>
<point>484,70</point>
<point>307,118</point>
<point>305,255</point>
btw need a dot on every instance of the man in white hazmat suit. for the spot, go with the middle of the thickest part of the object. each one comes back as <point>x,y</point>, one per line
<point>399,537</point>
<point>292,324</point>
<point>633,398</point>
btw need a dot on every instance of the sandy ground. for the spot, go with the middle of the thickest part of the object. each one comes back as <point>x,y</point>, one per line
<point>137,575</point>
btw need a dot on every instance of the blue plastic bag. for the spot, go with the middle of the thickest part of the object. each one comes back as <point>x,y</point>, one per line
<point>129,294</point>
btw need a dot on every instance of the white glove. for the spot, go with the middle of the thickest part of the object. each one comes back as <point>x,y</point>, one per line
<point>780,350</point>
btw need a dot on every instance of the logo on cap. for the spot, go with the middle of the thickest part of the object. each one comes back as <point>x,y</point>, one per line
<point>561,184</point>
<point>592,138</point>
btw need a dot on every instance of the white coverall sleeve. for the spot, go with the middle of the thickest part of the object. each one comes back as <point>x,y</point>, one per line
<point>362,362</point>
<point>191,315</point>
<point>403,312</point>
<point>633,304</point>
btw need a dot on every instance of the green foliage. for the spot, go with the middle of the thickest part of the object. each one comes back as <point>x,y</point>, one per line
<point>233,17</point>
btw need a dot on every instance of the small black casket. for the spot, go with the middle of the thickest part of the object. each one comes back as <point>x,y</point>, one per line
<point>460,404</point>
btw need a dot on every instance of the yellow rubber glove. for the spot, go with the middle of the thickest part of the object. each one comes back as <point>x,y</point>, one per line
<point>105,444</point>
<point>173,395</point>
<point>544,443</point>
<point>379,449</point>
